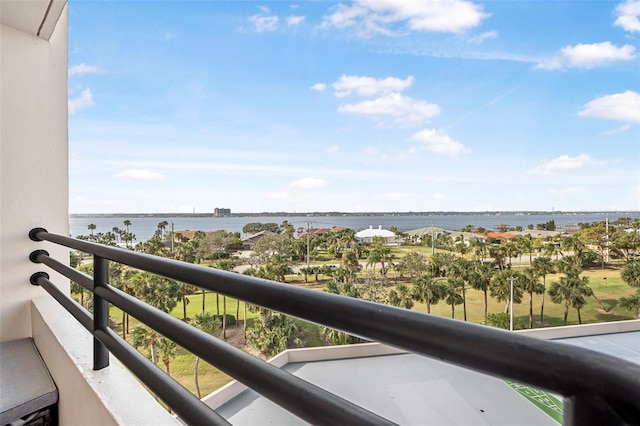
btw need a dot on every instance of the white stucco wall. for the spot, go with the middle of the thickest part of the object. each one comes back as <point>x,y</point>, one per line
<point>33,164</point>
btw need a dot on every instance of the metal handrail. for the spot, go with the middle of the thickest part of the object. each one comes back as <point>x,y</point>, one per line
<point>594,385</point>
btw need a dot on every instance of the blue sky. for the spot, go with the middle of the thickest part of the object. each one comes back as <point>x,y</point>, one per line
<point>389,105</point>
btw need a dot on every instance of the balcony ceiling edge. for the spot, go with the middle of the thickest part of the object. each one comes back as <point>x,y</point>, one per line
<point>35,17</point>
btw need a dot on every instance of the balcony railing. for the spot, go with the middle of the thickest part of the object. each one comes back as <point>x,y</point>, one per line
<point>597,388</point>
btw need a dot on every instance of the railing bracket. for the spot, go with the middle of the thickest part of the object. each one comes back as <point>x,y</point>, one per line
<point>33,234</point>
<point>34,255</point>
<point>34,278</point>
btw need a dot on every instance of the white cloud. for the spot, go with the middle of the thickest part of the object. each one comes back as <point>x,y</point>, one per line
<point>369,86</point>
<point>370,17</point>
<point>332,150</point>
<point>480,38</point>
<point>140,174</point>
<point>620,129</point>
<point>593,55</point>
<point>309,183</point>
<point>628,14</point>
<point>562,164</point>
<point>439,142</point>
<point>264,21</point>
<point>294,20</point>
<point>319,87</point>
<point>620,107</point>
<point>404,109</point>
<point>168,36</point>
<point>82,69</point>
<point>85,100</point>
<point>588,56</point>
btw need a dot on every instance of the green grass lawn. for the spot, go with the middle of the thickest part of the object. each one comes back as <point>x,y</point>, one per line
<point>608,291</point>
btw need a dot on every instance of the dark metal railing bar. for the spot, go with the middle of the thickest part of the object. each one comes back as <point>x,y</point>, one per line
<point>590,410</point>
<point>100,311</point>
<point>291,389</point>
<point>186,405</point>
<point>300,397</point>
<point>183,402</point>
<point>548,365</point>
<point>73,307</point>
<point>41,256</point>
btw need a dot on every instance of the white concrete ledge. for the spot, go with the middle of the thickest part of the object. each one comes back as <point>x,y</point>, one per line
<point>226,393</point>
<point>583,330</point>
<point>111,396</point>
<point>321,353</point>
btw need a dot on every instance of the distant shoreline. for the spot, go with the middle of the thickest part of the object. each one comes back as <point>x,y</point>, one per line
<point>360,214</point>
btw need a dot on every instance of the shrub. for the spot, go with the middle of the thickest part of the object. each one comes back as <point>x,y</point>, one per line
<point>502,320</point>
<point>230,320</point>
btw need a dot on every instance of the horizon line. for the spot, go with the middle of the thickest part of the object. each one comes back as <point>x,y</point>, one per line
<point>330,213</point>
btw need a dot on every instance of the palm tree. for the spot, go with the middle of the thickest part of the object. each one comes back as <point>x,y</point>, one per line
<point>582,289</point>
<point>161,293</point>
<point>349,262</point>
<point>452,293</point>
<point>120,278</point>
<point>427,290</point>
<point>570,266</point>
<point>631,303</point>
<point>208,323</point>
<point>552,248</point>
<point>381,255</point>
<point>461,268</point>
<point>225,265</point>
<point>402,297</point>
<point>91,227</point>
<point>498,254</point>
<point>146,338</point>
<point>530,284</point>
<point>574,244</point>
<point>525,245</point>
<point>480,279</point>
<point>167,348</point>
<point>570,291</point>
<point>162,226</point>
<point>501,288</point>
<point>117,232</point>
<point>479,248</point>
<point>78,289</point>
<point>127,224</point>
<point>631,273</point>
<point>511,250</point>
<point>185,290</point>
<point>543,266</point>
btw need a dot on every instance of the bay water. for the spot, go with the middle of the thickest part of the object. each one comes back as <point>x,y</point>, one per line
<point>143,226</point>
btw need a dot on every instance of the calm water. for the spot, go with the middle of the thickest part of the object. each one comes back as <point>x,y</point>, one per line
<point>144,227</point>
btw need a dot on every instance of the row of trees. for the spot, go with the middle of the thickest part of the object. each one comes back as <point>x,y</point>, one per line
<point>445,276</point>
<point>432,282</point>
<point>594,244</point>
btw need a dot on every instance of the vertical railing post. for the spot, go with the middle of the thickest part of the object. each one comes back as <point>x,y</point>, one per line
<point>100,312</point>
<point>587,410</point>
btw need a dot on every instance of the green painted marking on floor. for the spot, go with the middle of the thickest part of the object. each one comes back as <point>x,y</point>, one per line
<point>541,399</point>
